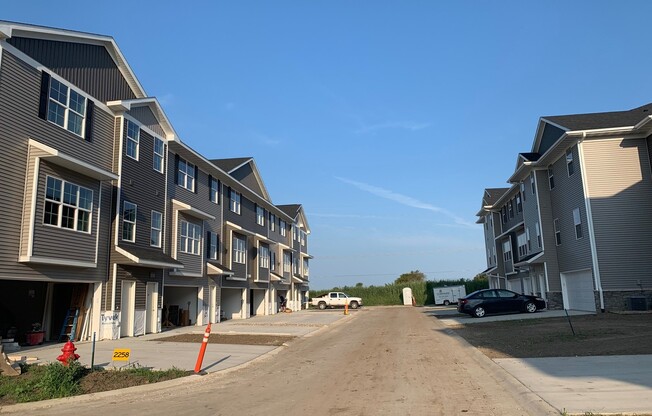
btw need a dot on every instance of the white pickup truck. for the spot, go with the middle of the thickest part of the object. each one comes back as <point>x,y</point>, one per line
<point>336,299</point>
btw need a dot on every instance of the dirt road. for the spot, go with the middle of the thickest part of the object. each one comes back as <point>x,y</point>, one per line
<point>385,361</point>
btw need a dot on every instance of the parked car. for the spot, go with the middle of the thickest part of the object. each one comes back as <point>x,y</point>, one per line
<point>482,302</point>
<point>336,299</point>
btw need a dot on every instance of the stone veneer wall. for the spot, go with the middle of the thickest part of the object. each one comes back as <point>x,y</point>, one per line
<point>555,300</point>
<point>619,301</point>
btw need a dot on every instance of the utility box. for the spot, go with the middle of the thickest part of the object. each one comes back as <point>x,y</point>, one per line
<point>407,296</point>
<point>637,303</point>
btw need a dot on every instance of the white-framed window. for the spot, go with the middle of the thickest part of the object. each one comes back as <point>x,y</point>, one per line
<point>488,255</point>
<point>570,166</point>
<point>215,191</point>
<point>303,236</point>
<point>557,231</point>
<point>287,262</point>
<point>527,237</point>
<point>239,249</point>
<point>234,201</point>
<point>295,265</point>
<point>519,204</point>
<point>551,179</point>
<point>213,246</point>
<point>260,215</point>
<point>306,267</point>
<point>129,211</point>
<point>264,257</point>
<point>507,251</point>
<point>272,260</point>
<point>190,238</point>
<point>66,107</point>
<point>532,185</point>
<point>156,229</point>
<point>522,190</point>
<point>282,227</point>
<point>577,221</point>
<point>67,205</point>
<point>133,140</point>
<point>159,152</point>
<point>295,234</point>
<point>186,175</point>
<point>510,208</point>
<point>521,242</point>
<point>493,252</point>
<point>272,222</point>
<point>538,231</point>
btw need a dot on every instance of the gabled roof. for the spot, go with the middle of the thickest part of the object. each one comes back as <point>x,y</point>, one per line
<point>229,165</point>
<point>530,157</point>
<point>291,210</point>
<point>155,107</point>
<point>11,29</point>
<point>601,120</point>
<point>493,194</point>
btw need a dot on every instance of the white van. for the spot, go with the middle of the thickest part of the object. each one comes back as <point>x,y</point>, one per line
<point>449,294</point>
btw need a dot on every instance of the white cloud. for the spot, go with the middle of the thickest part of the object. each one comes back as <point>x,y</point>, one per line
<point>404,125</point>
<point>404,200</point>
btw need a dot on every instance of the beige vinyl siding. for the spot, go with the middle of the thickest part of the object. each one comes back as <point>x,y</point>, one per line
<point>620,191</point>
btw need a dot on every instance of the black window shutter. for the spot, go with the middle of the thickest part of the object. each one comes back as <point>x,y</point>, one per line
<point>219,191</point>
<point>208,244</point>
<point>88,133</point>
<point>176,169</point>
<point>196,178</point>
<point>210,187</point>
<point>45,94</point>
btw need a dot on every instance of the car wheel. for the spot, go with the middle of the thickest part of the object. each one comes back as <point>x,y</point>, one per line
<point>531,307</point>
<point>446,302</point>
<point>479,312</point>
<point>353,305</point>
<point>322,305</point>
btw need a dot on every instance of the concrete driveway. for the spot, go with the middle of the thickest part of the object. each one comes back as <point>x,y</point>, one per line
<point>449,316</point>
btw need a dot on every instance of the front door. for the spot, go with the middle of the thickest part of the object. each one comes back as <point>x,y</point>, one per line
<point>127,308</point>
<point>151,308</point>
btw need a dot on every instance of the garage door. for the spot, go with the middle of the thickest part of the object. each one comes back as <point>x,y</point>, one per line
<point>577,289</point>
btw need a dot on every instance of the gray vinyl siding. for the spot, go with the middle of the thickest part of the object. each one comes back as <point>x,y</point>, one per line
<point>141,275</point>
<point>247,217</point>
<point>89,67</point>
<point>145,116</point>
<point>143,186</point>
<point>191,263</point>
<point>619,188</point>
<point>49,241</point>
<point>547,231</point>
<point>568,194</point>
<point>518,216</point>
<point>19,101</point>
<point>531,216</point>
<point>263,273</point>
<point>239,269</point>
<point>246,176</point>
<point>488,241</point>
<point>549,137</point>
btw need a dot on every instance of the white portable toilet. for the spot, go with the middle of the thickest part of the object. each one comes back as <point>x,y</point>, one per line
<point>407,296</point>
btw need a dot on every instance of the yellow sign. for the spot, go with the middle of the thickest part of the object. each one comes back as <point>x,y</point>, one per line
<point>121,354</point>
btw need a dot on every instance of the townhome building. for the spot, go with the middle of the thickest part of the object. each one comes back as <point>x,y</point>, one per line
<point>298,256</point>
<point>586,188</point>
<point>115,226</point>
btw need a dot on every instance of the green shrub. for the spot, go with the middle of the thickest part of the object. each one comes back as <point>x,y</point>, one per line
<point>61,381</point>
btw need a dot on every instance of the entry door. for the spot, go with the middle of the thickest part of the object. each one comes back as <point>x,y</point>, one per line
<point>212,299</point>
<point>151,308</point>
<point>127,307</point>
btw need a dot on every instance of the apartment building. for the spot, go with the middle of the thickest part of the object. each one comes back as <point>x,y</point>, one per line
<point>111,216</point>
<point>573,227</point>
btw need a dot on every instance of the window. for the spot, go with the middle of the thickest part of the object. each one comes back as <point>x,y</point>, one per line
<point>159,151</point>
<point>295,265</point>
<point>577,220</point>
<point>522,190</point>
<point>264,257</point>
<point>557,232</point>
<point>67,205</point>
<point>532,185</point>
<point>190,238</point>
<point>129,221</point>
<point>488,256</point>
<point>551,179</point>
<point>186,175</point>
<point>155,232</point>
<point>239,249</point>
<point>287,262</point>
<point>538,230</point>
<point>281,225</point>
<point>510,207</point>
<point>213,245</point>
<point>507,251</point>
<point>272,260</point>
<point>302,235</point>
<point>527,237</point>
<point>569,162</point>
<point>493,251</point>
<point>260,215</point>
<point>234,204</point>
<point>214,191</point>
<point>503,211</point>
<point>306,269</point>
<point>66,107</point>
<point>521,242</point>
<point>272,222</point>
<point>133,138</point>
<point>519,204</point>
<point>295,237</point>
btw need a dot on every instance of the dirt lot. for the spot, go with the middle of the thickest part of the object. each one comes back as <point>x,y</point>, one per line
<point>240,339</point>
<point>601,334</point>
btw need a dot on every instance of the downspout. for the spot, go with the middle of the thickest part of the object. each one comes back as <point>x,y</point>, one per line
<point>589,220</point>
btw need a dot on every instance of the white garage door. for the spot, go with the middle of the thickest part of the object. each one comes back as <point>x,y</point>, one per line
<point>577,289</point>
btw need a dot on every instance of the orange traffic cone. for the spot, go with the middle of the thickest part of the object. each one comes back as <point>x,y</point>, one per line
<point>346,309</point>
<point>202,350</point>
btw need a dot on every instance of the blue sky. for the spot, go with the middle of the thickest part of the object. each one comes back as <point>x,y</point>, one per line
<point>385,119</point>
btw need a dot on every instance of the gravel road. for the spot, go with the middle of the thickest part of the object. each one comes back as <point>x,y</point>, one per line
<point>381,361</point>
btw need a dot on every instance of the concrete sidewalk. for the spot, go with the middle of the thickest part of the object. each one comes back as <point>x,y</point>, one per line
<point>146,351</point>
